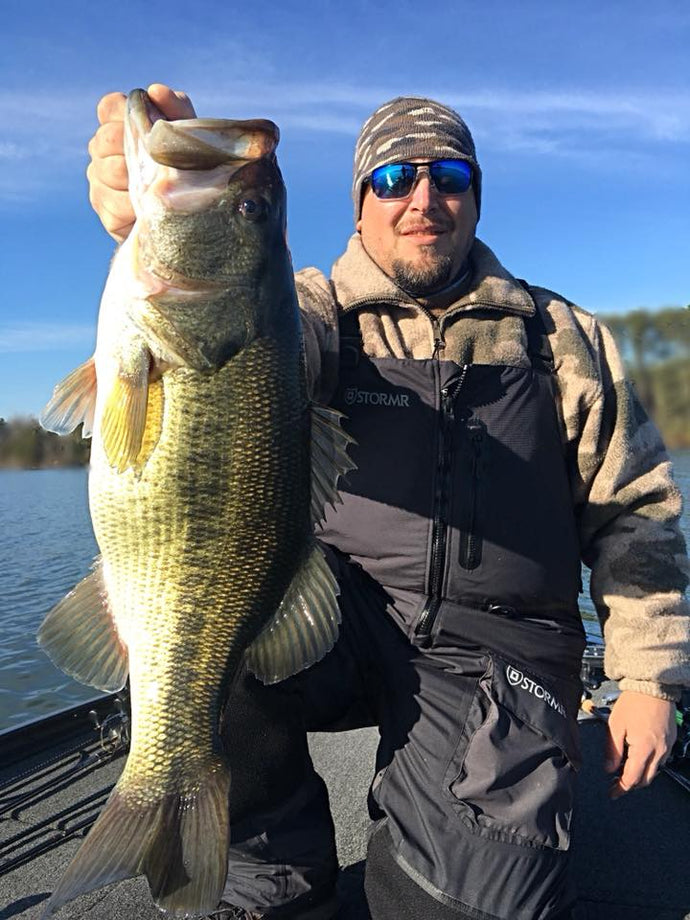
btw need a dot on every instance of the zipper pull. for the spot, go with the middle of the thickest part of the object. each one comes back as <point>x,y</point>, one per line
<point>447,404</point>
<point>439,343</point>
<point>476,429</point>
<point>450,391</point>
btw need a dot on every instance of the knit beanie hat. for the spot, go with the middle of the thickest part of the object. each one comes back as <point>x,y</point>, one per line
<point>407,127</point>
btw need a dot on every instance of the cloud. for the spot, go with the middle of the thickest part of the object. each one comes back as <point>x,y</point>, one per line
<point>45,133</point>
<point>649,117</point>
<point>11,151</point>
<point>30,337</point>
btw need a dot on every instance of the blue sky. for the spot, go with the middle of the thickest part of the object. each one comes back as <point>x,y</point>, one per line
<point>580,112</point>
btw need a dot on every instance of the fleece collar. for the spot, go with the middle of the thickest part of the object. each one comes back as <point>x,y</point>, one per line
<point>359,282</point>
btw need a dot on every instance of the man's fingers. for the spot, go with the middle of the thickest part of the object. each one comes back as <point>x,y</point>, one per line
<point>172,103</point>
<point>653,766</point>
<point>111,108</point>
<point>108,141</point>
<point>114,210</point>
<point>634,771</point>
<point>615,747</point>
<point>109,171</point>
<point>647,725</point>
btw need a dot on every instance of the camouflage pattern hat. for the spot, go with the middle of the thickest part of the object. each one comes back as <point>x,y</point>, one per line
<point>407,127</point>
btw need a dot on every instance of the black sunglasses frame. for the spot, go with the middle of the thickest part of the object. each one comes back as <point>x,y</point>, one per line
<point>420,169</point>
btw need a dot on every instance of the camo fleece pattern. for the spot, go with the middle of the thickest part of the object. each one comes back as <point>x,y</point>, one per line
<point>626,502</point>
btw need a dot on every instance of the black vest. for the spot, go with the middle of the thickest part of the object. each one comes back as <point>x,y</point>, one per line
<point>461,492</point>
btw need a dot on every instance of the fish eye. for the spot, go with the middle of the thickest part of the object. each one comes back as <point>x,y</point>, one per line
<point>252,207</point>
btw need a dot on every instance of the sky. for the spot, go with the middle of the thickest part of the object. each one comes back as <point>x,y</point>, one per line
<point>580,112</point>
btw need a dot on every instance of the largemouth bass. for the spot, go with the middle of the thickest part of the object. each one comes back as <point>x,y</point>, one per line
<point>208,469</point>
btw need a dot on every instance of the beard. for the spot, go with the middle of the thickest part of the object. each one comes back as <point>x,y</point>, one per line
<point>420,280</point>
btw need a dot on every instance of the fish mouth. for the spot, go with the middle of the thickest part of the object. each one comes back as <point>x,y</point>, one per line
<point>198,143</point>
<point>187,164</point>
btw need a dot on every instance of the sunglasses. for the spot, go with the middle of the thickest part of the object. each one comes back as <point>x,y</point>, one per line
<point>396,180</point>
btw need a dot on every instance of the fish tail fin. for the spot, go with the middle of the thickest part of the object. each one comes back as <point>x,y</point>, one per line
<point>179,842</point>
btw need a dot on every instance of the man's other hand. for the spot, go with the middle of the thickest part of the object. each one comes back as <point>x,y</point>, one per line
<point>107,171</point>
<point>641,733</point>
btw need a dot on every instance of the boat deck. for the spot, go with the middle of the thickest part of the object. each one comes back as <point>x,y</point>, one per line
<point>631,857</point>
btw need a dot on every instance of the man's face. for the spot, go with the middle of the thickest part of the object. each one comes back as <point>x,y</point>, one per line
<point>421,241</point>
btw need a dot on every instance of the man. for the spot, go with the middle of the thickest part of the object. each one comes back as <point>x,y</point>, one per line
<point>497,444</point>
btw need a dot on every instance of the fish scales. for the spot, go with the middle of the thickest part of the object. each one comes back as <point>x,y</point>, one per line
<point>211,568</point>
<point>200,492</point>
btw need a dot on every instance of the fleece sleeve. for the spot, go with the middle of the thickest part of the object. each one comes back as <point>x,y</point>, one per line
<point>320,332</point>
<point>628,509</point>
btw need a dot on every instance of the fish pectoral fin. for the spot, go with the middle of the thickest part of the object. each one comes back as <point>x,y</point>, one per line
<point>80,636</point>
<point>73,402</point>
<point>179,841</point>
<point>124,414</point>
<point>330,444</point>
<point>305,626</point>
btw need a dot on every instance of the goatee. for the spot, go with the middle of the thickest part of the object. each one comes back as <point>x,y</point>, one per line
<point>420,280</point>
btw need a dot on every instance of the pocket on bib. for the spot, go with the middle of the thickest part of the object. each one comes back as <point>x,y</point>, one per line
<point>512,774</point>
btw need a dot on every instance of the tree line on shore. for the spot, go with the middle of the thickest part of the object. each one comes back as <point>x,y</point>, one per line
<point>655,345</point>
<point>25,445</point>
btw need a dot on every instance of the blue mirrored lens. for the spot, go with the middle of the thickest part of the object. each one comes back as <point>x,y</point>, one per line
<point>451,177</point>
<point>394,180</point>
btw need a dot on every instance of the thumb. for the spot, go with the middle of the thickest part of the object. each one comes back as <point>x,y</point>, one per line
<point>172,103</point>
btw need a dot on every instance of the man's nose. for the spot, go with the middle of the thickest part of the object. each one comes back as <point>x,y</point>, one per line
<point>423,194</point>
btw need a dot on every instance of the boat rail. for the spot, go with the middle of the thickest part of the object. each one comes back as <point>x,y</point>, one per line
<point>43,759</point>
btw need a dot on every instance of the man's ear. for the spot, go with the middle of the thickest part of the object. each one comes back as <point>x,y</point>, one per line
<point>363,194</point>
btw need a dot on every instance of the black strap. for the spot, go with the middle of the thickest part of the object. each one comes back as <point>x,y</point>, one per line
<point>538,345</point>
<point>348,324</point>
<point>351,344</point>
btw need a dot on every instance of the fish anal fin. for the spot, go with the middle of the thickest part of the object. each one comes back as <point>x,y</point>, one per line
<point>330,460</point>
<point>179,841</point>
<point>305,627</point>
<point>80,636</point>
<point>73,402</point>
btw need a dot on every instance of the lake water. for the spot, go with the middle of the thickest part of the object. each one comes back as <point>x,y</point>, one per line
<point>46,547</point>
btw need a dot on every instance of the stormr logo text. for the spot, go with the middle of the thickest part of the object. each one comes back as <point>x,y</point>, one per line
<point>356,397</point>
<point>518,679</point>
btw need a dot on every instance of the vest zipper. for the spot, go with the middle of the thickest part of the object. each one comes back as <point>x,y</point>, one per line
<point>470,542</point>
<point>439,531</point>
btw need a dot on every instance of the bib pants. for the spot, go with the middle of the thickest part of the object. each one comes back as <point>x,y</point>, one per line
<point>457,556</point>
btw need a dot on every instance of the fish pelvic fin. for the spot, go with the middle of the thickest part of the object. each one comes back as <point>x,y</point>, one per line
<point>123,421</point>
<point>305,627</point>
<point>179,842</point>
<point>80,636</point>
<point>330,444</point>
<point>73,402</point>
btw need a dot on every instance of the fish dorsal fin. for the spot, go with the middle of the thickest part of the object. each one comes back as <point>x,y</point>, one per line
<point>305,626</point>
<point>73,402</point>
<point>79,635</point>
<point>329,458</point>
